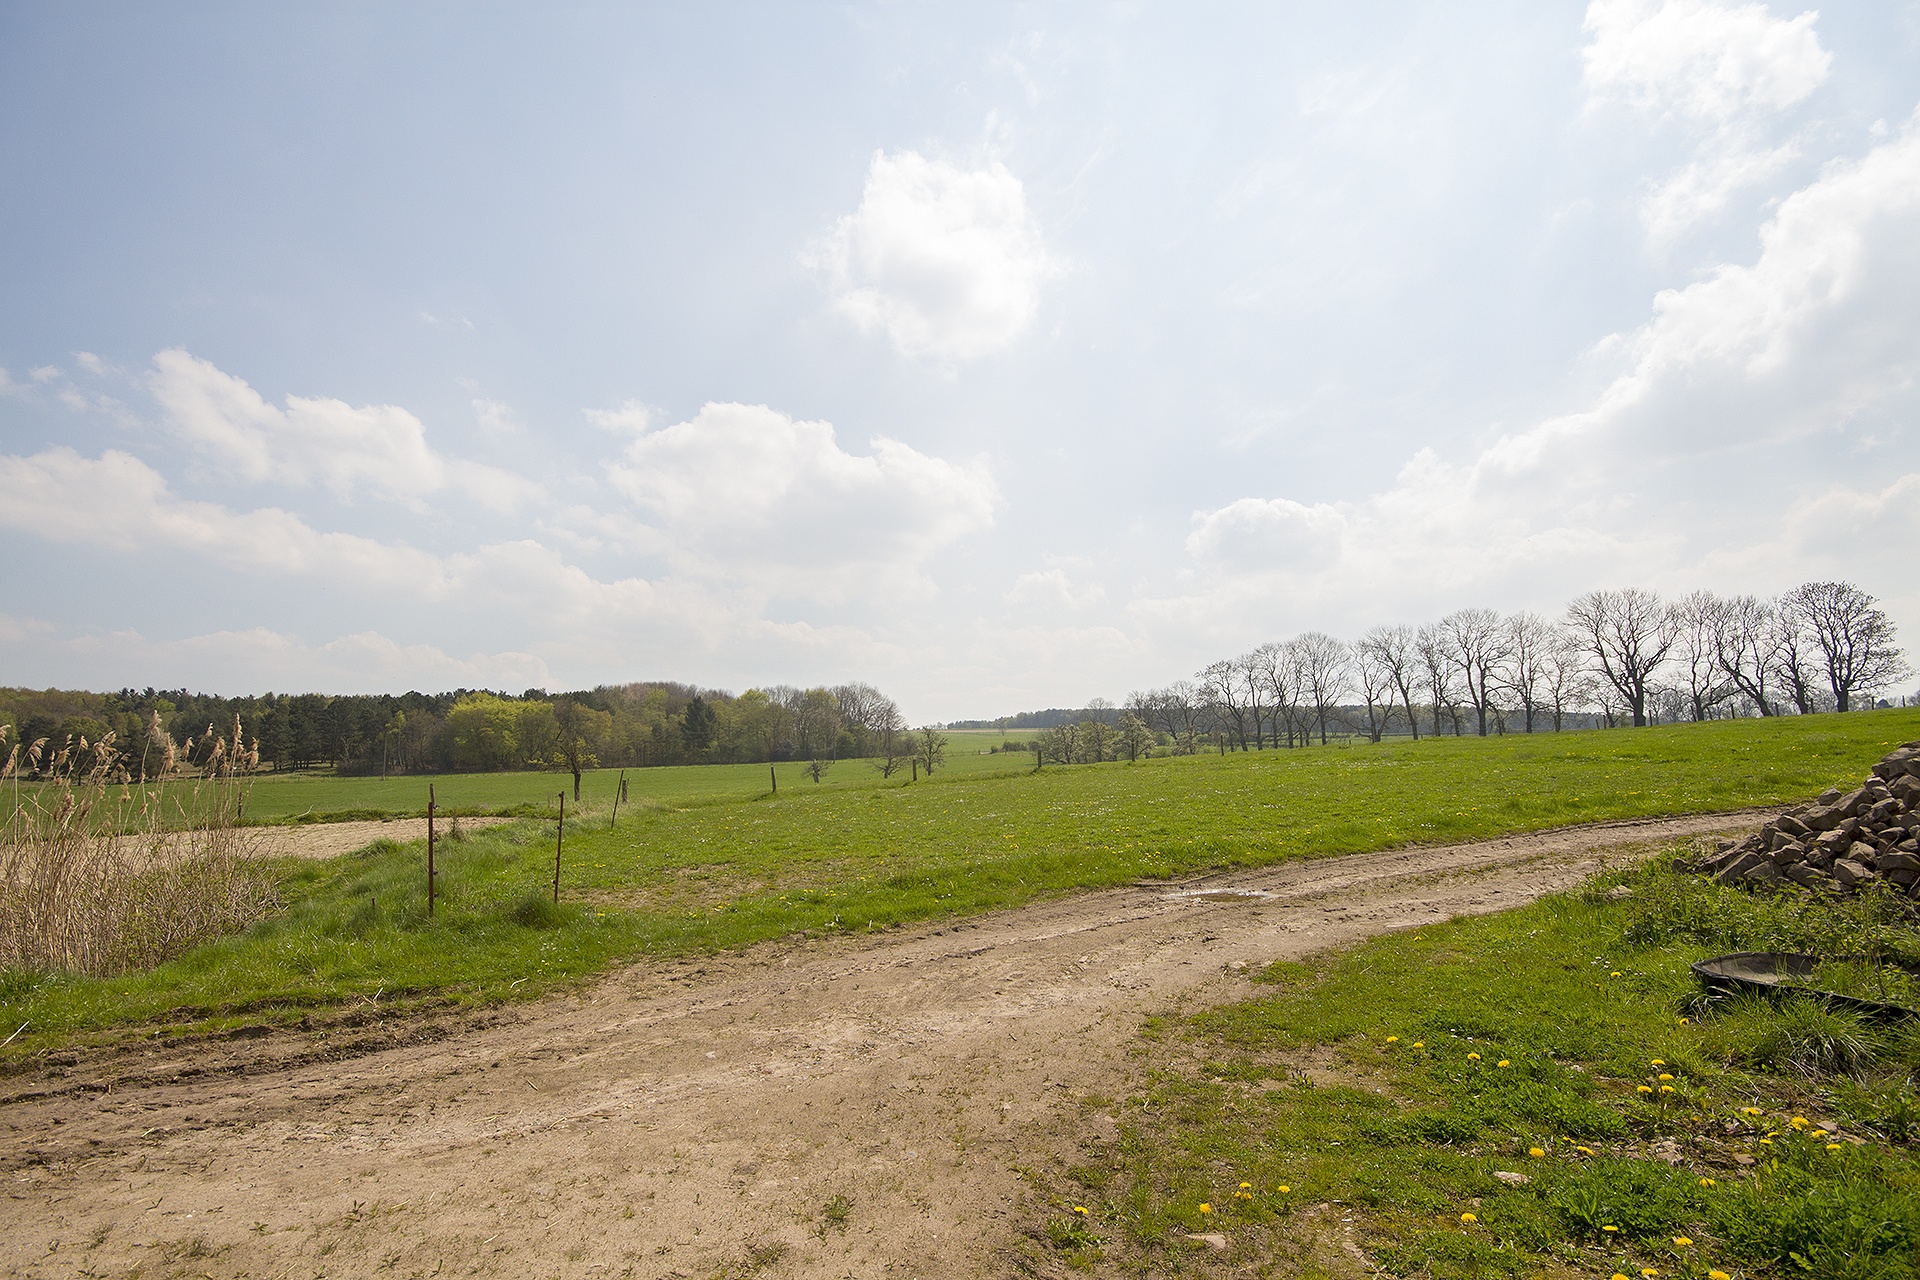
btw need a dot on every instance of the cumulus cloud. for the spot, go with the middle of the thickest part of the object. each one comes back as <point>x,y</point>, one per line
<point>742,493</point>
<point>1744,385</point>
<point>946,261</point>
<point>317,440</point>
<point>1724,71</point>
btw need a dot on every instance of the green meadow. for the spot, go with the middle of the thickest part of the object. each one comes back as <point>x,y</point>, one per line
<point>707,858</point>
<point>1543,1091</point>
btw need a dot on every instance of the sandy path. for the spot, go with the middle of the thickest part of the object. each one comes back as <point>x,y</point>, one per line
<point>330,839</point>
<point>694,1119</point>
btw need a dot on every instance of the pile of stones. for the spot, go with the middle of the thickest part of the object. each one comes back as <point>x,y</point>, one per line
<point>1839,842</point>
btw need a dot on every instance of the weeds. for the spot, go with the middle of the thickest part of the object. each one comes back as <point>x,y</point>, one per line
<point>93,881</point>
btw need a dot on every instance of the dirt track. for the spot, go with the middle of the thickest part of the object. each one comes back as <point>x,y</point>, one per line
<point>697,1118</point>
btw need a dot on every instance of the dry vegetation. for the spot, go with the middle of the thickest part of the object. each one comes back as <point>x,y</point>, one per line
<point>100,878</point>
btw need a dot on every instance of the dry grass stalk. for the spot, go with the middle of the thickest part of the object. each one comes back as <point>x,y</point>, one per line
<point>96,880</point>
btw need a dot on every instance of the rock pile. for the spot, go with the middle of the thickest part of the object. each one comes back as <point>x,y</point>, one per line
<point>1839,842</point>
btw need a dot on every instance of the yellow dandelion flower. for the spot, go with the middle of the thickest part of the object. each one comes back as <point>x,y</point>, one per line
<point>1665,1075</point>
<point>1833,1146</point>
<point>1535,1152</point>
<point>1283,1189</point>
<point>1473,1057</point>
<point>1206,1208</point>
<point>1656,1062</point>
<point>1683,1241</point>
<point>1666,1088</point>
<point>1766,1142</point>
<point>1246,1186</point>
<point>1469,1218</point>
<point>1718,1275</point>
<point>1419,1044</point>
<point>1818,1133</point>
<point>1393,1039</point>
<point>1650,1273</point>
<point>1751,1111</point>
<point>1609,1227</point>
<point>1619,1276</point>
<point>1614,974</point>
<point>1503,1063</point>
<point>1708,1182</point>
<point>1079,1208</point>
<point>1585,1151</point>
<point>1645,1088</point>
<point>1683,1022</point>
<point>1799,1122</point>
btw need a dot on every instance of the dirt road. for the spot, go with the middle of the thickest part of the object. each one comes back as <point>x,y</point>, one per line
<point>809,1108</point>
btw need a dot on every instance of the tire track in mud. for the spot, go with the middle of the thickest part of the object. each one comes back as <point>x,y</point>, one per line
<point>710,1115</point>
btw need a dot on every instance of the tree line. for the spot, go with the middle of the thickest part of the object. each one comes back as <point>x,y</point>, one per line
<point>629,725</point>
<point>1615,657</point>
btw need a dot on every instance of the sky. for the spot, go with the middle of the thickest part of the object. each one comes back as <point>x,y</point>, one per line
<point>1001,356</point>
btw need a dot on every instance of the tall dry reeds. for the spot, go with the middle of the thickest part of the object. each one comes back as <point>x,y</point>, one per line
<point>100,878</point>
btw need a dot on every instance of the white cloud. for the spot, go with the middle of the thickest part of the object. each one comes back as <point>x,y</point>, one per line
<point>379,448</point>
<point>1742,386</point>
<point>1724,70</point>
<point>1054,588</point>
<point>741,493</point>
<point>947,262</point>
<point>630,416</point>
<point>496,418</point>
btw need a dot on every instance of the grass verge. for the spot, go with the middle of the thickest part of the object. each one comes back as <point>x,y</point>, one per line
<point>1542,1091</point>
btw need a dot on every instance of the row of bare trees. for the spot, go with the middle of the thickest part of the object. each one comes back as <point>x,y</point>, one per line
<point>1615,657</point>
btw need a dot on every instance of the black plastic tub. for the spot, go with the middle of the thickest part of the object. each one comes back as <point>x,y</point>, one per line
<point>1769,971</point>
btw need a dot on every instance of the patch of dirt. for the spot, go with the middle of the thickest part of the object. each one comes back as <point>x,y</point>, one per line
<point>331,839</point>
<point>845,1107</point>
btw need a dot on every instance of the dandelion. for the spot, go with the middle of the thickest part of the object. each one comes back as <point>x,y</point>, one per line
<point>1284,1189</point>
<point>1609,1227</point>
<point>1718,1275</point>
<point>1246,1186</point>
<point>1683,1241</point>
<point>1708,1182</point>
<point>1645,1088</point>
<point>1751,1111</point>
<point>1585,1151</point>
<point>1469,1218</point>
<point>1649,1273</point>
<point>1419,1044</point>
<point>1619,1276</point>
<point>1818,1133</point>
<point>1614,974</point>
<point>1657,1062</point>
<point>1766,1142</point>
<point>1473,1057</point>
<point>1503,1063</point>
<point>1683,1022</point>
<point>1080,1209</point>
<point>1393,1039</point>
<point>1206,1208</point>
<point>1798,1122</point>
<point>1666,1088</point>
<point>1833,1146</point>
<point>1665,1076</point>
<point>1536,1152</point>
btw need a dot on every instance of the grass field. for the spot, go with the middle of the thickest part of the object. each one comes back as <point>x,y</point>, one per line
<point>701,869</point>
<point>1407,1080</point>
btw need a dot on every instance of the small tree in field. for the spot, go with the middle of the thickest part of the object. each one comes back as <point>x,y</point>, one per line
<point>1135,736</point>
<point>931,749</point>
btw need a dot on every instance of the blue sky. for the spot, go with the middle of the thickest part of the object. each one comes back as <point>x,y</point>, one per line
<point>1002,356</point>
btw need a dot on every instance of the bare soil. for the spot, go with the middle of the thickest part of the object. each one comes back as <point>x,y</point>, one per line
<point>814,1107</point>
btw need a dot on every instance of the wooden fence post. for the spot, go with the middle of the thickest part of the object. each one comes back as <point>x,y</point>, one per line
<point>431,806</point>
<point>558,837</point>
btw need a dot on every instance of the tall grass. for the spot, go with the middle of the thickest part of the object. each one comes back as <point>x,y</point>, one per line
<point>97,880</point>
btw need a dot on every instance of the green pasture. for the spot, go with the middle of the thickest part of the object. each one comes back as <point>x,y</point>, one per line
<point>1654,1132</point>
<point>689,867</point>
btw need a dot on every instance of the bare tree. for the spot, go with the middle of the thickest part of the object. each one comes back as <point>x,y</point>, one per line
<point>931,748</point>
<point>891,744</point>
<point>1854,641</point>
<point>1394,649</point>
<point>1324,666</point>
<point>1439,668</point>
<point>1794,658</point>
<point>1222,688</point>
<point>1286,683</point>
<point>1530,642</point>
<point>1627,634</point>
<point>1478,645</point>
<point>1747,645</point>
<point>1698,620</point>
<point>1566,674</point>
<point>1376,686</point>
